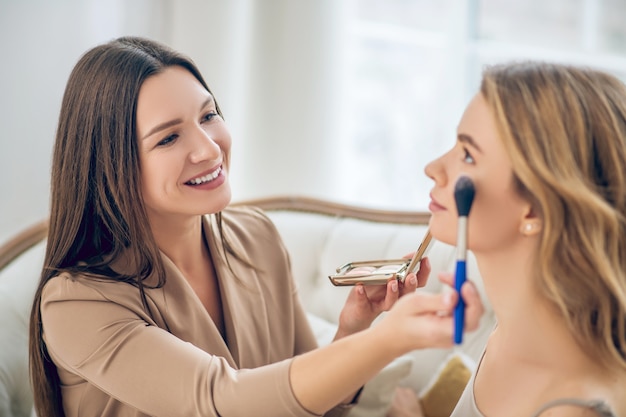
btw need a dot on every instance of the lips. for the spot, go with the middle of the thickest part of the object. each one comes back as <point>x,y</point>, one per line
<point>434,204</point>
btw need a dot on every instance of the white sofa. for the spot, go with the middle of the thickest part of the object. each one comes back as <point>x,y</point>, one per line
<point>319,236</point>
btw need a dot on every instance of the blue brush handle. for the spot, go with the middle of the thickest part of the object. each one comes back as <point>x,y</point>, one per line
<point>459,309</point>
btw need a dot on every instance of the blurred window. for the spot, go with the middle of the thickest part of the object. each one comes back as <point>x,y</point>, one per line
<point>414,65</point>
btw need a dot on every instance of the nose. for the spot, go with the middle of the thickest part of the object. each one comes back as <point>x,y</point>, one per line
<point>435,171</point>
<point>204,147</point>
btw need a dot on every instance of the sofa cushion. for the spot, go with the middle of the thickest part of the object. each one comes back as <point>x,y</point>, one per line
<point>18,282</point>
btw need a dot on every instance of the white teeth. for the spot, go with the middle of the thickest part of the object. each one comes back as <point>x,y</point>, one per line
<point>206,178</point>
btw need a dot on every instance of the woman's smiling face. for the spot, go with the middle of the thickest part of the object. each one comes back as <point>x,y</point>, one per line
<point>498,210</point>
<point>184,146</point>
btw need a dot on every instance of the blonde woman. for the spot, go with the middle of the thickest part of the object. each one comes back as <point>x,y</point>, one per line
<point>545,146</point>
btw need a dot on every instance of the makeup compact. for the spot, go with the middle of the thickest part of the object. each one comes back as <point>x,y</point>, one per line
<point>380,272</point>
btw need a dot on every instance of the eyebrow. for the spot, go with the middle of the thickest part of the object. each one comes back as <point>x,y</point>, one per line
<point>173,122</point>
<point>467,139</point>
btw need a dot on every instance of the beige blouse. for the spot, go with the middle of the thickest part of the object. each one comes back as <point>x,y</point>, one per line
<point>114,359</point>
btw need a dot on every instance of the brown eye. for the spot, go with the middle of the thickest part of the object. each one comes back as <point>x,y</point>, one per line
<point>167,140</point>
<point>209,116</point>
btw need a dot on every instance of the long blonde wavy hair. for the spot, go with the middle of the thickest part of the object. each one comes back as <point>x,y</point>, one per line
<point>564,129</point>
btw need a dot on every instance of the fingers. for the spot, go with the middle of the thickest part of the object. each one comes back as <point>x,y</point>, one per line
<point>474,308</point>
<point>424,270</point>
<point>405,403</point>
<point>414,281</point>
<point>356,314</point>
<point>447,278</point>
<point>423,273</point>
<point>425,318</point>
<point>409,284</point>
<point>377,293</point>
<point>380,297</point>
<point>426,303</point>
<point>392,295</point>
<point>358,293</point>
<point>428,318</point>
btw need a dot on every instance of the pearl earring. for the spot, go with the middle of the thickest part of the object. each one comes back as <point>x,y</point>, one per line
<point>529,227</point>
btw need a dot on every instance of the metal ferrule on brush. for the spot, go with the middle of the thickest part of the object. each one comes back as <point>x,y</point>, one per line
<point>461,241</point>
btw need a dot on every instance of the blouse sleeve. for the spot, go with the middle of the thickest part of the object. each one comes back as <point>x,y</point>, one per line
<point>112,347</point>
<point>305,339</point>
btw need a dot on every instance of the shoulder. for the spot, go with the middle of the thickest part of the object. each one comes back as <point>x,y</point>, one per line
<point>64,284</point>
<point>76,287</point>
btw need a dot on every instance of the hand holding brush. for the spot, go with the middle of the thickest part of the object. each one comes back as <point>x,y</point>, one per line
<point>463,196</point>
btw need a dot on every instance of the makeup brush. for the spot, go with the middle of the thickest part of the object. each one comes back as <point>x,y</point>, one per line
<point>463,196</point>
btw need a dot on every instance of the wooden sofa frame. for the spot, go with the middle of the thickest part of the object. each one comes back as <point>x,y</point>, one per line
<point>35,233</point>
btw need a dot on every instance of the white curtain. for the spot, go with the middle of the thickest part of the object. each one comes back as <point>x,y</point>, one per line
<point>275,67</point>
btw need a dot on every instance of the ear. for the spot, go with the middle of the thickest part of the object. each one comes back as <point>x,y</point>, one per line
<point>530,224</point>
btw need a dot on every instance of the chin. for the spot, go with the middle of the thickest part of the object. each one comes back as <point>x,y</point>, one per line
<point>443,231</point>
<point>222,200</point>
<point>215,203</point>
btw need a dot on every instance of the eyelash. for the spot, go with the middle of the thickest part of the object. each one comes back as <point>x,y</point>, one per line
<point>467,155</point>
<point>167,140</point>
<point>209,116</point>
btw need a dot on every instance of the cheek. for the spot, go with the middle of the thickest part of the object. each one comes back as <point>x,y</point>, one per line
<point>147,187</point>
<point>153,171</point>
<point>493,222</point>
<point>225,142</point>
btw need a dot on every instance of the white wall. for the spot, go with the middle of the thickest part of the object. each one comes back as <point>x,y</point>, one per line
<point>40,41</point>
<point>275,68</point>
<point>267,61</point>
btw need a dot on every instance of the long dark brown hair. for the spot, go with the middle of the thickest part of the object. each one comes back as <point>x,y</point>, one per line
<point>96,205</point>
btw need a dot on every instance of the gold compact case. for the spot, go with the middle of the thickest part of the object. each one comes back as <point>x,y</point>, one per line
<point>380,272</point>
